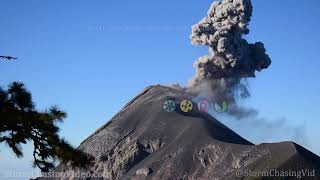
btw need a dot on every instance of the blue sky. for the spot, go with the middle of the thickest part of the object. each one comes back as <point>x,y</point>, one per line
<point>91,57</point>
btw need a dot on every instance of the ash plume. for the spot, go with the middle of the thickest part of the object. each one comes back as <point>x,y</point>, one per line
<point>230,58</point>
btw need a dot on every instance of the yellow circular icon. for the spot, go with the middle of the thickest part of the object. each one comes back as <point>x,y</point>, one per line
<point>186,106</point>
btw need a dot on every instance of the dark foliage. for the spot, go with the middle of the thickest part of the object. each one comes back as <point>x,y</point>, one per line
<point>8,58</point>
<point>20,123</point>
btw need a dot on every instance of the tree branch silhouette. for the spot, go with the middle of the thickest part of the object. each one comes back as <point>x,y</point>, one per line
<point>20,123</point>
<point>8,58</point>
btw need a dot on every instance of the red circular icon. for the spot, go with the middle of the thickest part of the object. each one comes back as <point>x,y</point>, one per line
<point>203,105</point>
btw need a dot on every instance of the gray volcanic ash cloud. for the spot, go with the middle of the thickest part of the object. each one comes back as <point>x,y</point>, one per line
<point>221,74</point>
<point>230,58</point>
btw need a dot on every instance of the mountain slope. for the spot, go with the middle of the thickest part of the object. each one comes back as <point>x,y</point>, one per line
<point>143,141</point>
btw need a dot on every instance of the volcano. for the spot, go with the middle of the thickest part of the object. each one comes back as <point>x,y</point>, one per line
<point>143,141</point>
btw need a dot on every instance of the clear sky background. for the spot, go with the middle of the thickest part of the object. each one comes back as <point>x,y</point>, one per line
<point>91,57</point>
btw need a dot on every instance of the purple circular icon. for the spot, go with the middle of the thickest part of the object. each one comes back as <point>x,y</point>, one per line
<point>203,105</point>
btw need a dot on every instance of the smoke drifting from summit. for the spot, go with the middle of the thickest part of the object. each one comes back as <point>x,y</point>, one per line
<point>230,58</point>
<point>221,74</point>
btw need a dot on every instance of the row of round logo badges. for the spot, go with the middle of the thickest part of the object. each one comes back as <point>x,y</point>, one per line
<point>187,106</point>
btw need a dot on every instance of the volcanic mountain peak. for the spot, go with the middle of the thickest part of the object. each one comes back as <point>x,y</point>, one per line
<point>143,141</point>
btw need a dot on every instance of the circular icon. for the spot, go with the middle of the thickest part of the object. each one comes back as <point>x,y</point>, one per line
<point>223,107</point>
<point>169,106</point>
<point>203,105</point>
<point>186,106</point>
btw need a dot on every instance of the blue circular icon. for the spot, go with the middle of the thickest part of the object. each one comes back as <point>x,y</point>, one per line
<point>169,106</point>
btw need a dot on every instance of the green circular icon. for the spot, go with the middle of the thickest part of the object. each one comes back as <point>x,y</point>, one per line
<point>222,107</point>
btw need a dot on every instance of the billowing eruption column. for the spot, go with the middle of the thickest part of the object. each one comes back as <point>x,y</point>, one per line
<point>230,58</point>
